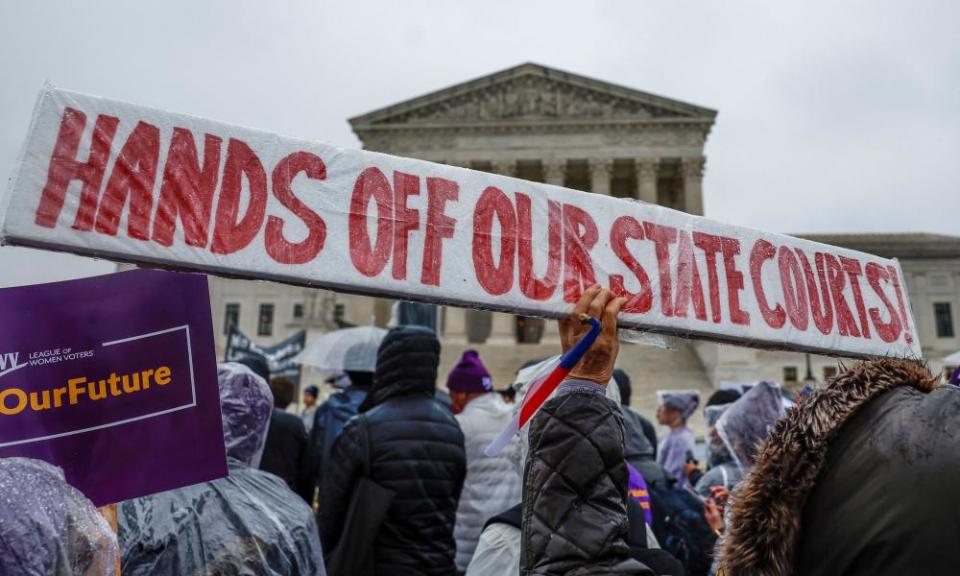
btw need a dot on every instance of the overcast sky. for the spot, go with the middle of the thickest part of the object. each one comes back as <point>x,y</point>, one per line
<point>834,116</point>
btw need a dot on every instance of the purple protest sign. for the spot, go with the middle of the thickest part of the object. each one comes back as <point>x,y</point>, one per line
<point>113,379</point>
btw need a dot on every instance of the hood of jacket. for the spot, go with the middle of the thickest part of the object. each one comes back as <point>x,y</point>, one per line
<point>407,363</point>
<point>765,516</point>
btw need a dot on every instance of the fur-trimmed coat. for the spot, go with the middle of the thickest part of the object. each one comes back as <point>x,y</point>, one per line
<point>863,477</point>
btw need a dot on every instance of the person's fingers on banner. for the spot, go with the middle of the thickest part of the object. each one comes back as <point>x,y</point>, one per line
<point>571,328</point>
<point>598,363</point>
<point>598,303</point>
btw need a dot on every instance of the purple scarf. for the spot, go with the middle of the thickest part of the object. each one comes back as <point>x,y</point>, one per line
<point>637,489</point>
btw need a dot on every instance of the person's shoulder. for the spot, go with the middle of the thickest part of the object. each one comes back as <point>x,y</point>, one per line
<point>288,420</point>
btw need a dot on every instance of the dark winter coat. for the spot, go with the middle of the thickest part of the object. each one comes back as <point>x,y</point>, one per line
<point>574,493</point>
<point>287,453</point>
<point>861,478</point>
<point>416,450</point>
<point>328,422</point>
<point>638,449</point>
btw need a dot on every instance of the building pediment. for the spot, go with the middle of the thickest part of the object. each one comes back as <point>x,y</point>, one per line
<point>531,93</point>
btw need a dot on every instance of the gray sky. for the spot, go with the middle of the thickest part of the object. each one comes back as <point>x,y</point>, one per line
<point>834,116</point>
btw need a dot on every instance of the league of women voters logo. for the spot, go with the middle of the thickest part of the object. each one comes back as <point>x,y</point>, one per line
<point>9,362</point>
<point>12,361</point>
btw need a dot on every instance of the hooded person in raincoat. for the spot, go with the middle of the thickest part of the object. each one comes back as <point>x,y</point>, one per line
<point>247,523</point>
<point>721,469</point>
<point>748,421</point>
<point>676,407</point>
<point>48,528</point>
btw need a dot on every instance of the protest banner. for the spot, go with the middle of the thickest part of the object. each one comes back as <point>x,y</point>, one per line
<point>279,357</point>
<point>137,184</point>
<point>113,379</point>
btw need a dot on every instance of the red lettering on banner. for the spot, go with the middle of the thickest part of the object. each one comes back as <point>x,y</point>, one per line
<point>133,176</point>
<point>895,278</point>
<point>888,331</point>
<point>439,226</point>
<point>64,168</point>
<point>730,247</point>
<point>624,228</point>
<point>845,321</point>
<point>187,190</point>
<point>794,294</point>
<point>278,247</point>
<point>579,236</point>
<point>662,237</point>
<point>405,219</point>
<point>367,259</point>
<point>531,286</point>
<point>710,245</point>
<point>820,305</point>
<point>689,287</point>
<point>761,252</point>
<point>852,267</point>
<point>229,233</point>
<point>497,278</point>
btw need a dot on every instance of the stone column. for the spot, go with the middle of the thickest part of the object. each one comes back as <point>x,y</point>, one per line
<point>647,179</point>
<point>551,332</point>
<point>555,171</point>
<point>504,167</point>
<point>504,329</point>
<point>600,171</point>
<point>692,169</point>
<point>455,325</point>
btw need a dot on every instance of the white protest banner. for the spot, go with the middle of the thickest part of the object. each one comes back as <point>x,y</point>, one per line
<point>136,184</point>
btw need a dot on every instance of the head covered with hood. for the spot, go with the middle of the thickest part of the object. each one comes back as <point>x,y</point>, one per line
<point>683,401</point>
<point>245,404</point>
<point>749,420</point>
<point>716,450</point>
<point>407,363</point>
<point>247,523</point>
<point>48,527</point>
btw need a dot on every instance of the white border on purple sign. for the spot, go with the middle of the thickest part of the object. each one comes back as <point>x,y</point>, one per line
<point>193,389</point>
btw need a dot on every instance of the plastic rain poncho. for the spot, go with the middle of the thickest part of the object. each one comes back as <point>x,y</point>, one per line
<point>716,451</point>
<point>721,470</point>
<point>249,523</point>
<point>748,421</point>
<point>679,446</point>
<point>48,528</point>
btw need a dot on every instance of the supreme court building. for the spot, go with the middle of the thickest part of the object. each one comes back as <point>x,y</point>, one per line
<point>546,125</point>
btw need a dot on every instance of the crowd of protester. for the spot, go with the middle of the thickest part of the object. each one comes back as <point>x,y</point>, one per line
<point>387,476</point>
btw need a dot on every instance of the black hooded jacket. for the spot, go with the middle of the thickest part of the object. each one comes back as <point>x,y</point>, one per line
<point>415,448</point>
<point>860,479</point>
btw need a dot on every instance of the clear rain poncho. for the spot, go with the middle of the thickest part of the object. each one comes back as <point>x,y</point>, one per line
<point>748,421</point>
<point>716,450</point>
<point>721,468</point>
<point>48,528</point>
<point>248,523</point>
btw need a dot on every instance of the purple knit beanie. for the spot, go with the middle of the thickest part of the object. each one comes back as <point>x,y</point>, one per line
<point>469,375</point>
